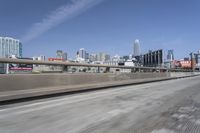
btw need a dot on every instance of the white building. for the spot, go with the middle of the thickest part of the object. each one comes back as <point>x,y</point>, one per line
<point>39,58</point>
<point>8,47</point>
<point>116,58</point>
<point>82,53</point>
<point>103,57</point>
<point>129,63</point>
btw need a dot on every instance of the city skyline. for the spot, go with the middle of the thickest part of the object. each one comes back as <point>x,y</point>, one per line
<point>156,24</point>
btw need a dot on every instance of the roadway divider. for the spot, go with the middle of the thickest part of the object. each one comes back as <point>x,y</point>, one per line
<point>18,88</point>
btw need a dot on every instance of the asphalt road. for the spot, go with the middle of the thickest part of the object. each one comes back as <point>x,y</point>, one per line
<point>163,107</point>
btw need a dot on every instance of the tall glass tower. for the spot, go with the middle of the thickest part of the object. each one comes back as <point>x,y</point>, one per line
<point>10,46</point>
<point>170,55</point>
<point>136,48</point>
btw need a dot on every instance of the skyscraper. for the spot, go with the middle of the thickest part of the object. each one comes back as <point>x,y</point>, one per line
<point>82,53</point>
<point>136,48</point>
<point>9,47</point>
<point>170,55</point>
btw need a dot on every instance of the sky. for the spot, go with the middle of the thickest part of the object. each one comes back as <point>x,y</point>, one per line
<point>111,26</point>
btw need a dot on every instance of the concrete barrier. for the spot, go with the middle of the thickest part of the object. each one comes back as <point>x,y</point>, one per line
<point>16,88</point>
<point>183,74</point>
<point>31,81</point>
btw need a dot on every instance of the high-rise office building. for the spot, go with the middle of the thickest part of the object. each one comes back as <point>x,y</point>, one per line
<point>153,58</point>
<point>87,56</point>
<point>9,47</point>
<point>170,55</point>
<point>82,53</point>
<point>136,48</point>
<point>65,56</point>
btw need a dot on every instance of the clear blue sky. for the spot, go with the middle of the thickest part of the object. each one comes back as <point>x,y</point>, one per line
<point>105,26</point>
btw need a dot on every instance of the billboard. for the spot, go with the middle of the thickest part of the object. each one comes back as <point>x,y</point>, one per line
<point>153,58</point>
<point>21,67</point>
<point>55,59</point>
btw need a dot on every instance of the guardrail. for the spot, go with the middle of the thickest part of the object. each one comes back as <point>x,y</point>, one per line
<point>24,61</point>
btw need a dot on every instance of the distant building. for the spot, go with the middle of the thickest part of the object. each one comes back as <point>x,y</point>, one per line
<point>170,55</point>
<point>93,57</point>
<point>103,57</point>
<point>126,58</point>
<point>87,56</point>
<point>39,58</point>
<point>82,56</point>
<point>61,55</point>
<point>129,63</point>
<point>48,68</point>
<point>195,60</point>
<point>154,58</point>
<point>65,56</point>
<point>8,47</point>
<point>82,53</point>
<point>131,56</point>
<point>107,57</point>
<point>100,57</point>
<point>186,59</point>
<point>185,64</point>
<point>116,58</point>
<point>136,48</point>
<point>197,57</point>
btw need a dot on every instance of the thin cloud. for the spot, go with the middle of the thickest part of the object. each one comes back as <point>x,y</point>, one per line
<point>63,13</point>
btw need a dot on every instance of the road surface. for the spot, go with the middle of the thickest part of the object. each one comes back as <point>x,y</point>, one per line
<point>162,107</point>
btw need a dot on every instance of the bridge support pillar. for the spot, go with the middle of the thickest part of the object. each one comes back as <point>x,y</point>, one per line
<point>132,70</point>
<point>137,70</point>
<point>107,69</point>
<point>65,68</point>
<point>98,69</point>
